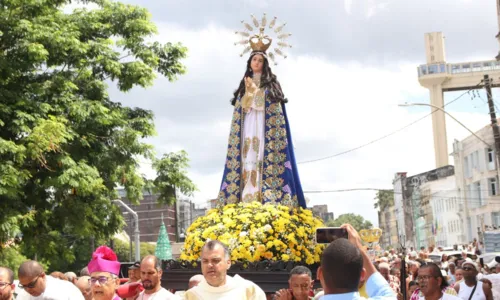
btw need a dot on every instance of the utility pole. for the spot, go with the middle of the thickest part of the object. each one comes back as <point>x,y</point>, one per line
<point>494,124</point>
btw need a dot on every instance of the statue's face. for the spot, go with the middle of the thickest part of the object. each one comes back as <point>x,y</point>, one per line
<point>257,63</point>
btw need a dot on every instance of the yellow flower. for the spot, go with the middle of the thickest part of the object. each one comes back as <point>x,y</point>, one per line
<point>253,231</point>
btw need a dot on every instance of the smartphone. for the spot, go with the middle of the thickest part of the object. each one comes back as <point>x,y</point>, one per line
<point>481,262</point>
<point>326,235</point>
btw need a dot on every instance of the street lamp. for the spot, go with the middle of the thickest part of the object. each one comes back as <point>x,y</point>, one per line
<point>439,108</point>
<point>136,232</point>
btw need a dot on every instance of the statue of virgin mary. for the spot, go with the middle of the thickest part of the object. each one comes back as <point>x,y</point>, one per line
<point>260,163</point>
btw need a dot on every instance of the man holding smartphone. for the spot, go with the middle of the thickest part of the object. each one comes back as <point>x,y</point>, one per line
<point>344,264</point>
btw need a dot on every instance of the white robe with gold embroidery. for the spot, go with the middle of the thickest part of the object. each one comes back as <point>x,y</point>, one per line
<point>252,141</point>
<point>236,288</point>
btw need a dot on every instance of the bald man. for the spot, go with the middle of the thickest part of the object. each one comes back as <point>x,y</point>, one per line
<point>35,284</point>
<point>195,280</point>
<point>83,284</point>
<point>385,271</point>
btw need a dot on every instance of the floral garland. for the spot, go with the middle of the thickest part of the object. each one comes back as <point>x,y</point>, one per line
<point>254,232</point>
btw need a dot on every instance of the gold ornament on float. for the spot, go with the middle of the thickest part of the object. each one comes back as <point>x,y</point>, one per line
<point>370,236</point>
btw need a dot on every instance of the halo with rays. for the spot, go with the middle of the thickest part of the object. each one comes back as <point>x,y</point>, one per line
<point>255,31</point>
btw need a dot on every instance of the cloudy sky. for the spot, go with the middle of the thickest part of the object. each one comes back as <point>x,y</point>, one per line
<point>352,63</point>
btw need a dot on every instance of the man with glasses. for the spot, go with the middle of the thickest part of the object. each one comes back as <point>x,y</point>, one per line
<point>36,285</point>
<point>6,284</point>
<point>104,269</point>
<point>433,284</point>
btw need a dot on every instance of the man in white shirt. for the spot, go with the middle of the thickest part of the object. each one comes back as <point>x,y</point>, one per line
<point>215,262</point>
<point>36,285</point>
<point>151,280</point>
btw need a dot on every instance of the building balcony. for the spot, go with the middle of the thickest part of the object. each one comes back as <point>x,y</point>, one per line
<point>458,68</point>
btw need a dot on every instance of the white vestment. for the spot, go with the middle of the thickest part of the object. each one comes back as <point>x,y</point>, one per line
<point>236,288</point>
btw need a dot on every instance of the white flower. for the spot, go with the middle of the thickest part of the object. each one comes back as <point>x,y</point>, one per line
<point>267,227</point>
<point>252,248</point>
<point>243,234</point>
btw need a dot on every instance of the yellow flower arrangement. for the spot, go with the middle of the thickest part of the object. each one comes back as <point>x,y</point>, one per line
<point>255,232</point>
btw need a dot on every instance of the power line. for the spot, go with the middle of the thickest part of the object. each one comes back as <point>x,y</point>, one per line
<point>389,134</point>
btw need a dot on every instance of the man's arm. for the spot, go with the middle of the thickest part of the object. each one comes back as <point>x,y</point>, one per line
<point>376,285</point>
<point>487,292</point>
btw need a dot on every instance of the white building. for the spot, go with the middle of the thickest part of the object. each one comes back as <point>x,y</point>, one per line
<point>445,227</point>
<point>477,182</point>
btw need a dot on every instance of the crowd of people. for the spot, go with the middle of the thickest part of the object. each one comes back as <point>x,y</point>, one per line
<point>344,265</point>
<point>347,271</point>
<point>459,276</point>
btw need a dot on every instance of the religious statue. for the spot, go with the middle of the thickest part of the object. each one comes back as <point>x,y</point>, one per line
<point>260,163</point>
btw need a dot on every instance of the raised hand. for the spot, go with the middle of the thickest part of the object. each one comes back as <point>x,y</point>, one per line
<point>250,86</point>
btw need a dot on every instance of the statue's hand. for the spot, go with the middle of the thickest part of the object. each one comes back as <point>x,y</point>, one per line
<point>250,86</point>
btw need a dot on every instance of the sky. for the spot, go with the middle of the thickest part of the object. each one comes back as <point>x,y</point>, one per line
<point>351,64</point>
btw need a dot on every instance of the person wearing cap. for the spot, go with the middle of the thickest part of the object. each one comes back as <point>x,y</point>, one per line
<point>134,276</point>
<point>104,269</point>
<point>494,279</point>
<point>471,288</point>
<point>134,272</point>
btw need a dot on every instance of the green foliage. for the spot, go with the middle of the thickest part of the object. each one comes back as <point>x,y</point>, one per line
<point>64,144</point>
<point>122,250</point>
<point>357,221</point>
<point>171,174</point>
<point>384,199</point>
<point>12,259</point>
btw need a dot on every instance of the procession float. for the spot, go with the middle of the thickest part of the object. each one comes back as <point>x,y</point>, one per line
<point>261,212</point>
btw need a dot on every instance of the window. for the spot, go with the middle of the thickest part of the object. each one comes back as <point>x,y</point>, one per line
<point>467,170</point>
<point>495,218</point>
<point>478,193</point>
<point>474,195</point>
<point>492,184</point>
<point>469,228</point>
<point>475,160</point>
<point>490,159</point>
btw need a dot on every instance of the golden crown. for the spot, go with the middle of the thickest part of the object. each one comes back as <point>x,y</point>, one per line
<point>370,235</point>
<point>259,41</point>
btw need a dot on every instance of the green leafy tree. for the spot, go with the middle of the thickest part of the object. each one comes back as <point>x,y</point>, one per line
<point>171,175</point>
<point>122,249</point>
<point>384,199</point>
<point>10,257</point>
<point>357,221</point>
<point>64,144</point>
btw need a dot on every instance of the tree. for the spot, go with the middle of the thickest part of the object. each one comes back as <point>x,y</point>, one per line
<point>171,175</point>
<point>384,199</point>
<point>64,144</point>
<point>357,221</point>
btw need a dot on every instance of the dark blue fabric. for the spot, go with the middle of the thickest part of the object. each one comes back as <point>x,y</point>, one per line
<point>280,179</point>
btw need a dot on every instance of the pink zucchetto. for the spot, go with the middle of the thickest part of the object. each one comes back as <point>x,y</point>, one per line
<point>104,260</point>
